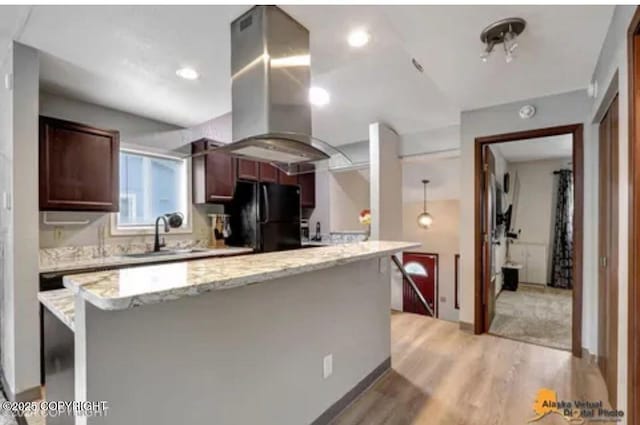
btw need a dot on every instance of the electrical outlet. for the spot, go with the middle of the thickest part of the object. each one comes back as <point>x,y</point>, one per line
<point>443,299</point>
<point>57,233</point>
<point>327,366</point>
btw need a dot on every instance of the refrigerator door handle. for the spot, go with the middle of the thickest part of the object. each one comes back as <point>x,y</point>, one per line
<point>266,204</point>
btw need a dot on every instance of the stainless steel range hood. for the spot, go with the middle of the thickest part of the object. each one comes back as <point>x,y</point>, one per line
<point>270,79</point>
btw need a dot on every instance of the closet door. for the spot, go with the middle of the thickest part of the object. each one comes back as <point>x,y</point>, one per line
<point>608,250</point>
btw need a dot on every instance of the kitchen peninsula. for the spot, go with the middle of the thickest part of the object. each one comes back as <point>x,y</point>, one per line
<point>286,337</point>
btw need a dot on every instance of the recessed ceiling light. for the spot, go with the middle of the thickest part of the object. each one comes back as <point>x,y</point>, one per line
<point>319,96</point>
<point>358,38</point>
<point>187,73</point>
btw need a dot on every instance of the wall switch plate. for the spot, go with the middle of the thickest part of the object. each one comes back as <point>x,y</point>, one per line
<point>382,265</point>
<point>327,366</point>
<point>6,200</point>
<point>8,81</point>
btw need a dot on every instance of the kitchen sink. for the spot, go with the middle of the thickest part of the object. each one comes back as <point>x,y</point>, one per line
<point>165,253</point>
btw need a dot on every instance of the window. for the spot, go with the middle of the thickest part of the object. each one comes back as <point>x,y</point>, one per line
<point>150,185</point>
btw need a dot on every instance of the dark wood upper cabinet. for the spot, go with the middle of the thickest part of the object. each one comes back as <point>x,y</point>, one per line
<point>248,170</point>
<point>79,167</point>
<point>307,184</point>
<point>214,174</point>
<point>268,173</point>
<point>284,178</point>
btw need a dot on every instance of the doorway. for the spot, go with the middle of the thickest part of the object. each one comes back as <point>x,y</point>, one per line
<point>608,249</point>
<point>633,398</point>
<point>423,269</point>
<point>549,265</point>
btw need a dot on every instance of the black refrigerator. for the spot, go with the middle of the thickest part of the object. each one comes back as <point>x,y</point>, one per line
<point>265,216</point>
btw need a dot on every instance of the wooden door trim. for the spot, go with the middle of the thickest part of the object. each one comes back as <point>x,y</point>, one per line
<point>456,265</point>
<point>436,286</point>
<point>578,180</point>
<point>633,396</point>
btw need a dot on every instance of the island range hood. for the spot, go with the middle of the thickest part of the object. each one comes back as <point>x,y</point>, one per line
<point>270,80</point>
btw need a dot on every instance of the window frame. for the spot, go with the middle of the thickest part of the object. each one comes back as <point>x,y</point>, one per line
<point>187,226</point>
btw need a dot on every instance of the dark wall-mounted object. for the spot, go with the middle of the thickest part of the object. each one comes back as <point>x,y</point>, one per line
<point>214,174</point>
<point>307,184</point>
<point>79,167</point>
<point>506,180</point>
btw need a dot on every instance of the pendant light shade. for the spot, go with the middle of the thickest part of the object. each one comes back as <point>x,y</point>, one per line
<point>424,219</point>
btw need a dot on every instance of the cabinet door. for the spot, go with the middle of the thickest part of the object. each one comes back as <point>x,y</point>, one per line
<point>307,183</point>
<point>78,167</point>
<point>268,173</point>
<point>284,178</point>
<point>220,177</point>
<point>248,170</point>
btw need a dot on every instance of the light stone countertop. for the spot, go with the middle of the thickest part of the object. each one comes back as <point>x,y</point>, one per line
<point>61,303</point>
<point>126,288</point>
<point>80,262</point>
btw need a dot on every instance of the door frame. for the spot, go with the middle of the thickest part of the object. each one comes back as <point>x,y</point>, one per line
<point>576,130</point>
<point>436,286</point>
<point>633,56</point>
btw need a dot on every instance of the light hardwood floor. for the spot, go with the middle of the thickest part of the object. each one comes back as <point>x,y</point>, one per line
<point>441,375</point>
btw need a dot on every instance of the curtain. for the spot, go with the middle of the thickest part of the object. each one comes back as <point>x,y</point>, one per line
<point>562,263</point>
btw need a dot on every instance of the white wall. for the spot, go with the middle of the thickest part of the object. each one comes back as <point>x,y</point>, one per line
<point>612,70</point>
<point>386,194</point>
<point>535,214</point>
<point>349,194</point>
<point>19,230</point>
<point>561,109</point>
<point>6,224</point>
<point>386,183</point>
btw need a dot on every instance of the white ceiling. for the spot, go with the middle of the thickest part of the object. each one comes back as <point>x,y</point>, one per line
<point>554,147</point>
<point>443,174</point>
<point>125,57</point>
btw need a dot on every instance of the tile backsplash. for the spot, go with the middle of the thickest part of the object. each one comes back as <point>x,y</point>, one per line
<point>88,235</point>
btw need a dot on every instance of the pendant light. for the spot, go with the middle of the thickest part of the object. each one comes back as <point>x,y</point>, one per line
<point>424,219</point>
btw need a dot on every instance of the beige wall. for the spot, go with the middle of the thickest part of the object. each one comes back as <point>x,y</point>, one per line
<point>442,239</point>
<point>349,194</point>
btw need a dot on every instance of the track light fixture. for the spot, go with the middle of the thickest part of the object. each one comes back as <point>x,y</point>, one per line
<point>505,32</point>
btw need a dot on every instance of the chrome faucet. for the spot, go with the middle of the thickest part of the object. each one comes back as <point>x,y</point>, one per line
<point>157,244</point>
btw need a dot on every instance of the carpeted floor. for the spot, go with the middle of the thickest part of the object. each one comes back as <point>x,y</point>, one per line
<point>536,314</point>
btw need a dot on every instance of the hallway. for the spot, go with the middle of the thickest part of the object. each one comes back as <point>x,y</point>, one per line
<point>441,375</point>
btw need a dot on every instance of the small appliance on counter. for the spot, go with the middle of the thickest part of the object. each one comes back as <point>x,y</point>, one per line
<point>265,217</point>
<point>304,229</point>
<point>220,230</point>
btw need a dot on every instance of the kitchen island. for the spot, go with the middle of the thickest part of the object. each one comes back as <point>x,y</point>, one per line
<point>278,338</point>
